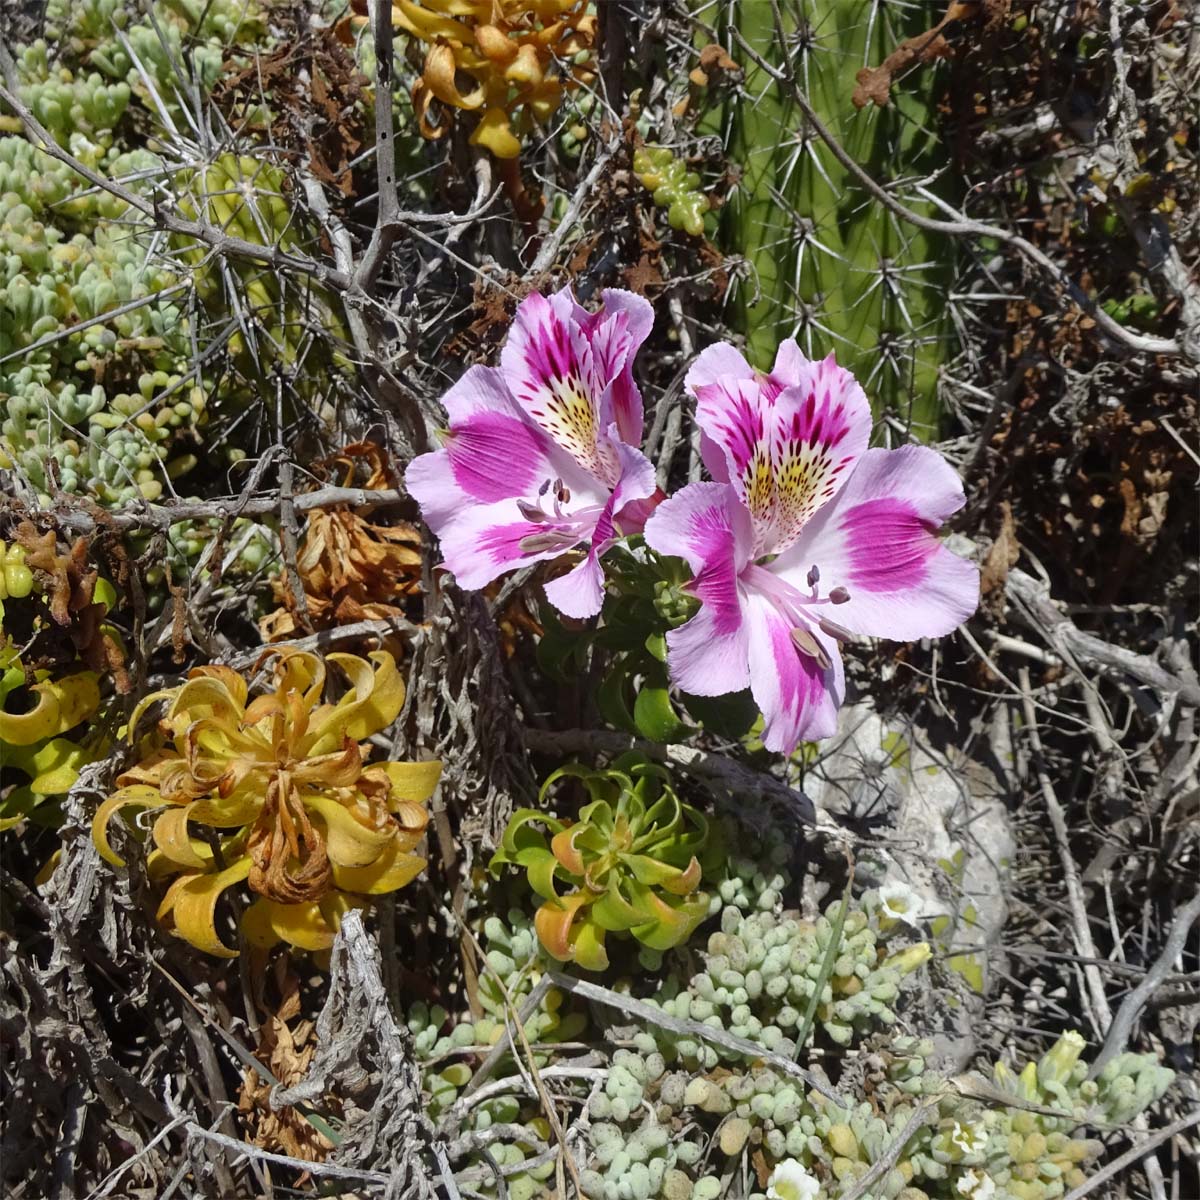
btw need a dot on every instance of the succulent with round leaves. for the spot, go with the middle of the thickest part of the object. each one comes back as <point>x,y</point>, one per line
<point>630,862</point>
<point>675,188</point>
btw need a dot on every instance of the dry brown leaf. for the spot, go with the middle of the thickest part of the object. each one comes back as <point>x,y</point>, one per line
<point>68,583</point>
<point>1003,555</point>
<point>875,83</point>
<point>351,569</point>
<point>286,1051</point>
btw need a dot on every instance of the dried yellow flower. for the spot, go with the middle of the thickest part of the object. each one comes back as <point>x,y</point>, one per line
<point>282,786</point>
<point>522,56</point>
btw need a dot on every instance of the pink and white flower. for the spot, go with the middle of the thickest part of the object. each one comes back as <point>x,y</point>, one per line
<point>542,452</point>
<point>806,538</point>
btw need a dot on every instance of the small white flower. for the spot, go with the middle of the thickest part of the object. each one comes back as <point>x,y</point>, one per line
<point>898,902</point>
<point>975,1185</point>
<point>966,1137</point>
<point>790,1181</point>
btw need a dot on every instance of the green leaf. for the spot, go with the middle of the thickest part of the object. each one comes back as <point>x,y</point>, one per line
<point>656,643</point>
<point>612,911</point>
<point>539,865</point>
<point>655,716</point>
<point>611,700</point>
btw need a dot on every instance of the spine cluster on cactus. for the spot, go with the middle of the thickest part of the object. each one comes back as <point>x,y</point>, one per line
<point>827,263</point>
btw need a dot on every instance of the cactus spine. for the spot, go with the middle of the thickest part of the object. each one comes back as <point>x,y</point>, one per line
<point>828,264</point>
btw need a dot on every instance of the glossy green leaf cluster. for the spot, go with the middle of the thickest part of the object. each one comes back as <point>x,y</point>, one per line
<point>629,864</point>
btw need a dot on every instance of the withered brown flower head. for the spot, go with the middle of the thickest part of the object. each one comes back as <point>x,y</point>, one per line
<point>351,569</point>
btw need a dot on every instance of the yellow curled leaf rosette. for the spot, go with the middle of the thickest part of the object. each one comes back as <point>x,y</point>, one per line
<point>276,791</point>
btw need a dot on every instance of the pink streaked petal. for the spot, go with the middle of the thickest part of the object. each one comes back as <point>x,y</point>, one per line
<point>478,390</point>
<point>706,525</point>
<point>633,516</point>
<point>482,542</point>
<point>790,364</point>
<point>799,699</point>
<point>495,456</point>
<point>430,481</point>
<point>786,451</point>
<point>635,484</point>
<point>713,458</point>
<point>550,369</point>
<point>580,592</point>
<point>706,657</point>
<point>732,414</point>
<point>637,311</point>
<point>717,363</point>
<point>626,322</point>
<point>877,540</point>
<point>820,430</point>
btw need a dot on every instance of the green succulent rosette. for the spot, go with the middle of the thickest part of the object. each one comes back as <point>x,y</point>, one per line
<point>630,863</point>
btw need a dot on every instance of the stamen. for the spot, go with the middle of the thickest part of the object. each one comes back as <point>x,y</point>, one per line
<point>544,488</point>
<point>531,512</point>
<point>563,493</point>
<point>814,575</point>
<point>839,595</point>
<point>535,543</point>
<point>834,630</point>
<point>808,645</point>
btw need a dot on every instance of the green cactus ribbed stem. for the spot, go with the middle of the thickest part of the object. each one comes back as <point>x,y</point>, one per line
<point>828,264</point>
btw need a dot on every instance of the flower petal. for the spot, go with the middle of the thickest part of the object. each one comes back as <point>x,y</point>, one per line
<point>171,837</point>
<point>707,525</point>
<point>492,451</point>
<point>580,592</point>
<point>553,374</point>
<point>877,540</point>
<point>715,363</point>
<point>786,451</point>
<point>348,842</point>
<point>136,795</point>
<point>798,698</point>
<point>392,870</point>
<point>266,922</point>
<point>624,324</point>
<point>61,704</point>
<point>412,781</point>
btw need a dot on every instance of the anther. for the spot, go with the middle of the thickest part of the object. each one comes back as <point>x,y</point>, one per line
<point>814,575</point>
<point>535,543</point>
<point>810,647</point>
<point>531,512</point>
<point>834,630</point>
<point>839,595</point>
